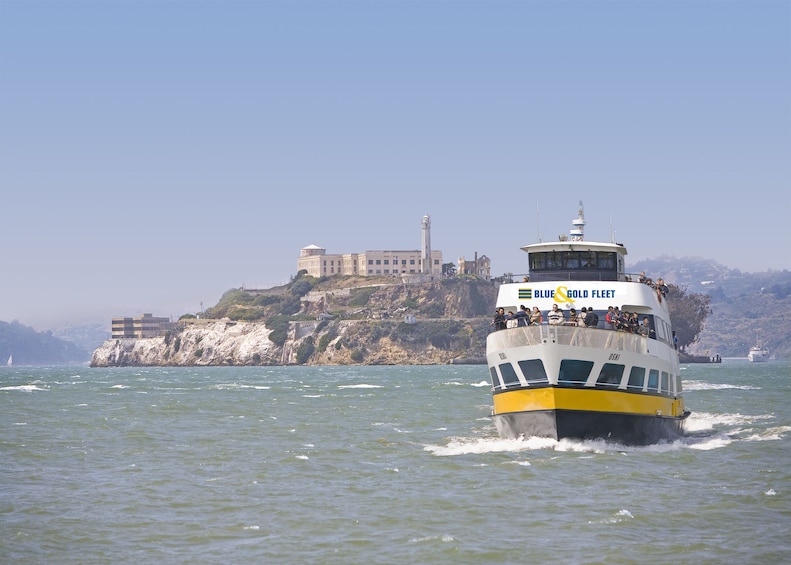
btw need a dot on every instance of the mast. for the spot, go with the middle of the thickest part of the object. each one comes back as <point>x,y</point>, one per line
<point>577,231</point>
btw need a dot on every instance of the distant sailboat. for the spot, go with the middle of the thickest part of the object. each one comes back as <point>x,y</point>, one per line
<point>10,360</point>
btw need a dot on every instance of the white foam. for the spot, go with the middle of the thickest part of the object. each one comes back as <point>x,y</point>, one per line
<point>711,443</point>
<point>703,385</point>
<point>701,421</point>
<point>23,388</point>
<point>466,446</point>
<point>360,386</point>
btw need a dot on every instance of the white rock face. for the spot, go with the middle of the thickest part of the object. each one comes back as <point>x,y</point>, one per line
<point>212,343</point>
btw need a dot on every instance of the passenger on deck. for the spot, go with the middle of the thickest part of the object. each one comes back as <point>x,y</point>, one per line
<point>642,278</point>
<point>522,317</point>
<point>499,319</point>
<point>592,319</point>
<point>661,287</point>
<point>582,316</point>
<point>609,322</point>
<point>643,329</point>
<point>622,323</point>
<point>556,316</point>
<point>535,317</point>
<point>572,317</point>
<point>634,322</point>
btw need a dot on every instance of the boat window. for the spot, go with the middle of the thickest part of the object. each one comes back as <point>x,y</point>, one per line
<point>508,374</point>
<point>610,374</point>
<point>653,380</point>
<point>605,260</point>
<point>665,382</point>
<point>554,261</point>
<point>636,378</point>
<point>677,378</point>
<point>495,378</point>
<point>533,370</point>
<point>574,370</point>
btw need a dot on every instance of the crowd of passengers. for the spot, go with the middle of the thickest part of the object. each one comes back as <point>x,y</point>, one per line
<point>659,286</point>
<point>614,319</point>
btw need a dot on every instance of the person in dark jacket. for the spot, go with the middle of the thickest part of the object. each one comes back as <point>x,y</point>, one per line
<point>592,318</point>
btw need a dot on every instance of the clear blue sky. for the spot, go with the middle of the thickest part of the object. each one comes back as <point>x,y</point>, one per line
<point>154,154</point>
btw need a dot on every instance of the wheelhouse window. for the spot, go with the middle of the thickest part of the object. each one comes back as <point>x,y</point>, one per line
<point>599,264</point>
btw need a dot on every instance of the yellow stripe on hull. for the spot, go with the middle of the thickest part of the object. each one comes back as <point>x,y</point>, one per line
<point>585,399</point>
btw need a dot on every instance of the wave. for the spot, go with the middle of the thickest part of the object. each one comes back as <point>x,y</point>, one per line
<point>704,385</point>
<point>23,388</point>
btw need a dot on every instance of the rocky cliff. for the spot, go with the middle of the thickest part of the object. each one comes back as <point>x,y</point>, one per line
<point>368,342</point>
<point>360,323</point>
<point>212,343</point>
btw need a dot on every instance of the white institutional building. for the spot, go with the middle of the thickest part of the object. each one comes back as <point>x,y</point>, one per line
<point>318,263</point>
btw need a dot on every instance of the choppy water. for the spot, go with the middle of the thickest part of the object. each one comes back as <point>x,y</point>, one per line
<point>376,465</point>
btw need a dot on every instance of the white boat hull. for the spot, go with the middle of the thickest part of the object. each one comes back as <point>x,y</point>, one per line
<point>550,402</point>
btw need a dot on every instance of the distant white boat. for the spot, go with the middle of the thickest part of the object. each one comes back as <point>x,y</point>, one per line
<point>758,354</point>
<point>10,360</point>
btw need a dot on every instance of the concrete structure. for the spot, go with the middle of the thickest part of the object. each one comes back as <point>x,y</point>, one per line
<point>481,267</point>
<point>140,327</point>
<point>318,263</point>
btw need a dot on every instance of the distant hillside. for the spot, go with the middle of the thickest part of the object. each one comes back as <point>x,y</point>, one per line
<point>747,308</point>
<point>86,337</point>
<point>30,347</point>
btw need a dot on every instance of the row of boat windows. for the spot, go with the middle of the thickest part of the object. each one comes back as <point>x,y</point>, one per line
<point>576,372</point>
<point>572,260</point>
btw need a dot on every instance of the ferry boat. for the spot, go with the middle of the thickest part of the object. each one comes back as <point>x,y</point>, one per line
<point>567,381</point>
<point>758,354</point>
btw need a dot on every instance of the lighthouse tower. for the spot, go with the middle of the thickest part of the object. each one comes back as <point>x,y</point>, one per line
<point>426,248</point>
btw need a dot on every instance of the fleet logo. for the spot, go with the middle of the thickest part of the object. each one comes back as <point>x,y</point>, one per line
<point>563,294</point>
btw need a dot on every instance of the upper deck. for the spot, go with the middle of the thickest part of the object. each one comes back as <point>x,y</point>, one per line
<point>574,259</point>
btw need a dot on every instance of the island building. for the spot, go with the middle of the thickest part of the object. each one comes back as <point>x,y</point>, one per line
<point>415,262</point>
<point>143,326</point>
<point>481,267</point>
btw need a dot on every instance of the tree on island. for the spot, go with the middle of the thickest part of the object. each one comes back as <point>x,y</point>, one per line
<point>688,314</point>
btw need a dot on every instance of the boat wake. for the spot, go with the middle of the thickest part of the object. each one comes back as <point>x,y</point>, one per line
<point>467,446</point>
<point>704,432</point>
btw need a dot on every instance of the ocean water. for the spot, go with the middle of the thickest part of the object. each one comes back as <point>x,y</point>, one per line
<point>396,464</point>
